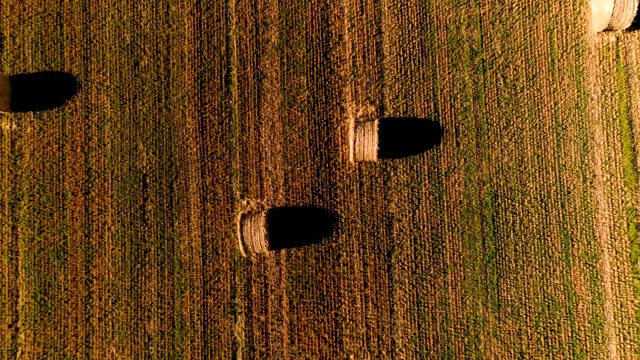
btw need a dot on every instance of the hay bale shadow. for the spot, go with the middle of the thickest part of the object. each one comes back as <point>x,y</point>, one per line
<point>43,90</point>
<point>295,226</point>
<point>403,137</point>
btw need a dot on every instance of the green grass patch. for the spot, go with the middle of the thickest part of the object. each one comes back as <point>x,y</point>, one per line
<point>630,173</point>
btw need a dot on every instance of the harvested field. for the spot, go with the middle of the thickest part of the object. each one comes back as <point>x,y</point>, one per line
<point>513,236</point>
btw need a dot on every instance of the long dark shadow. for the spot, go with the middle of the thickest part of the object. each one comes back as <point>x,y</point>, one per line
<point>296,226</point>
<point>402,137</point>
<point>43,90</point>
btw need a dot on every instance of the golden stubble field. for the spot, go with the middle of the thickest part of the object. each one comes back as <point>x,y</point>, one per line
<point>515,238</point>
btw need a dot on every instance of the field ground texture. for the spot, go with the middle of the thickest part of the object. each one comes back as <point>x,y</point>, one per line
<point>515,238</point>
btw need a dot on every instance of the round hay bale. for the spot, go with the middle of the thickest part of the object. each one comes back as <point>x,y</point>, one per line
<point>364,141</point>
<point>252,233</point>
<point>601,12</point>
<point>624,11</point>
<point>5,93</point>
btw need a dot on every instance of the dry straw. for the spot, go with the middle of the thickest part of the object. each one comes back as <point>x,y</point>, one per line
<point>612,14</point>
<point>252,232</point>
<point>5,93</point>
<point>363,138</point>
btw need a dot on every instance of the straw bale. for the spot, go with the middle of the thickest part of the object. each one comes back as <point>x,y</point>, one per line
<point>364,141</point>
<point>624,11</point>
<point>252,233</point>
